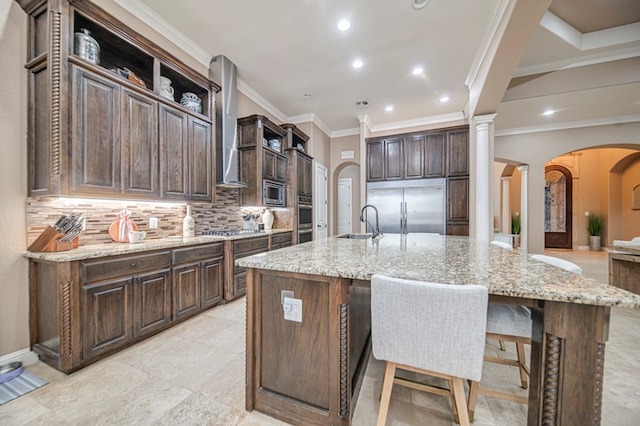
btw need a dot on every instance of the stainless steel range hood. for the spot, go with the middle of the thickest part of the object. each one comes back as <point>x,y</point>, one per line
<point>224,72</point>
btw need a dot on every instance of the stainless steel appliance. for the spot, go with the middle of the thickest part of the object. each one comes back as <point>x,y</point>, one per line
<point>409,206</point>
<point>273,193</point>
<point>305,223</point>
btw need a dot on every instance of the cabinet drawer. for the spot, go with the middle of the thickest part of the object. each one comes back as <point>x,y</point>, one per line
<point>123,266</point>
<point>280,239</point>
<point>250,245</point>
<point>191,254</point>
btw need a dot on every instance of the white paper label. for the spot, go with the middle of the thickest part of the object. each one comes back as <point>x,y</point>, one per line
<point>292,309</point>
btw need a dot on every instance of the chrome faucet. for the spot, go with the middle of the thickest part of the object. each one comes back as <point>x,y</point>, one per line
<point>376,230</point>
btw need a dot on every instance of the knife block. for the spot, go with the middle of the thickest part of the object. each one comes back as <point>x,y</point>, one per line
<point>49,241</point>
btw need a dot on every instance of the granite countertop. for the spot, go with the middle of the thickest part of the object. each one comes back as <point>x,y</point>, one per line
<point>114,249</point>
<point>445,259</point>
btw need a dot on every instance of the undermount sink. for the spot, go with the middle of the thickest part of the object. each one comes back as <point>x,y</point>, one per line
<point>355,236</point>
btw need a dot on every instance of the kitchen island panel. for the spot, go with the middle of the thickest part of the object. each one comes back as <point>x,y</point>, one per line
<point>299,371</point>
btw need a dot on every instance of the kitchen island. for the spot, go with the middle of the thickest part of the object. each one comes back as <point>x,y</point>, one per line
<point>307,369</point>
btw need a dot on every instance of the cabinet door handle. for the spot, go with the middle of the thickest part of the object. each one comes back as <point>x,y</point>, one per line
<point>133,265</point>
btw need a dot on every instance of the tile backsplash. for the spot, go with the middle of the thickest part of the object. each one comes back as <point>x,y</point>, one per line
<point>225,213</point>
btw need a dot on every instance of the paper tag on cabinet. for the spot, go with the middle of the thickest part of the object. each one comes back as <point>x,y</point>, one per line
<point>292,309</point>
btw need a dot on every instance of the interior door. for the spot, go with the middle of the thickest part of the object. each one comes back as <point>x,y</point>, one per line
<point>345,210</point>
<point>557,207</point>
<point>320,201</point>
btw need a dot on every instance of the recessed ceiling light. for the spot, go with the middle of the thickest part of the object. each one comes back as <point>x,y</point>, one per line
<point>417,71</point>
<point>357,63</point>
<point>388,108</point>
<point>344,25</point>
<point>444,98</point>
<point>548,112</point>
<point>307,96</point>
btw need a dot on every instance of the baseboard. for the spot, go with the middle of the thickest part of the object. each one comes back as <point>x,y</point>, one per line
<point>583,248</point>
<point>25,356</point>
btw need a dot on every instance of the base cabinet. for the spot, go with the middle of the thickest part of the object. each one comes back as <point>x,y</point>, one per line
<point>236,276</point>
<point>198,279</point>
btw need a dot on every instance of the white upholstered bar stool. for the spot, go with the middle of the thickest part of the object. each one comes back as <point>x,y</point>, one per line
<point>428,328</point>
<point>513,323</point>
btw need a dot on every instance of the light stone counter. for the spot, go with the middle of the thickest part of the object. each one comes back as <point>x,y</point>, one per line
<point>114,249</point>
<point>455,260</point>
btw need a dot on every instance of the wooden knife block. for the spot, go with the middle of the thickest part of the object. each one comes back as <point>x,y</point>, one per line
<point>49,240</point>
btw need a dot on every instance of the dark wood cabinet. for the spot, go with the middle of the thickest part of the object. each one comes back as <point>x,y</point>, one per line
<point>95,155</point>
<point>123,299</point>
<point>260,143</point>
<point>304,176</point>
<point>200,159</point>
<point>458,153</point>
<point>106,316</point>
<point>413,150</point>
<point>458,206</point>
<point>393,159</point>
<point>151,303</point>
<point>198,279</point>
<point>94,129</point>
<point>274,166</point>
<point>434,155</point>
<point>385,160</point>
<point>375,161</point>
<point>282,240</point>
<point>139,145</point>
<point>236,276</point>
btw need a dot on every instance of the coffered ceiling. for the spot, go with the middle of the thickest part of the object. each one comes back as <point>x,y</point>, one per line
<point>583,61</point>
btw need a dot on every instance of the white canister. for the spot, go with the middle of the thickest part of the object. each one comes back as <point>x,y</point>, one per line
<point>267,219</point>
<point>166,90</point>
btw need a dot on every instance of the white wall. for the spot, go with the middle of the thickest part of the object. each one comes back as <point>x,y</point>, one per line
<point>14,285</point>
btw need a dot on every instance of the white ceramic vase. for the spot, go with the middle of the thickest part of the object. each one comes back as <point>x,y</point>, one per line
<point>267,219</point>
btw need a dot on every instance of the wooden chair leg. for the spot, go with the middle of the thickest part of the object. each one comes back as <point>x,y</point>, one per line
<point>473,398</point>
<point>454,406</point>
<point>461,404</point>
<point>385,397</point>
<point>522,365</point>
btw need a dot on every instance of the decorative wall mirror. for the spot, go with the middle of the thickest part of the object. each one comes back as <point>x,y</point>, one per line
<point>635,202</point>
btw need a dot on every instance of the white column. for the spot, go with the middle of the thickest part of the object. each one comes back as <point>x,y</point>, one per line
<point>524,205</point>
<point>505,208</point>
<point>483,177</point>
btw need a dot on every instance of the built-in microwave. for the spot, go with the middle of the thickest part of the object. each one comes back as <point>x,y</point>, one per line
<point>273,193</point>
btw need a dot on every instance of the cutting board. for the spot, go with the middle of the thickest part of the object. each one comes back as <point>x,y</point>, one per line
<point>114,231</point>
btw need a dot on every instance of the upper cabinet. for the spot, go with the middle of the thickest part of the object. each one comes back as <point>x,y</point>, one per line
<point>262,163</point>
<point>430,154</point>
<point>300,165</point>
<point>106,106</point>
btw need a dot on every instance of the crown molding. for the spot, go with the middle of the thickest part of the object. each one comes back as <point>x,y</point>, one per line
<point>490,40</point>
<point>416,122</point>
<point>345,132</point>
<point>609,37</point>
<point>313,118</point>
<point>568,125</point>
<point>624,53</point>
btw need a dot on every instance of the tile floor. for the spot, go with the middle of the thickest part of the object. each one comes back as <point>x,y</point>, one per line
<point>193,374</point>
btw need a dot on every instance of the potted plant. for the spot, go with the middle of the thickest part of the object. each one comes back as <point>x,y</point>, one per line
<point>595,229</point>
<point>515,229</point>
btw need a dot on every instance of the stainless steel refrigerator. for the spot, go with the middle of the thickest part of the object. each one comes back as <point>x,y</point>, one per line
<point>408,206</point>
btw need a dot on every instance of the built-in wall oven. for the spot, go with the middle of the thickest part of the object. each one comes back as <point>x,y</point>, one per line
<point>305,223</point>
<point>273,193</point>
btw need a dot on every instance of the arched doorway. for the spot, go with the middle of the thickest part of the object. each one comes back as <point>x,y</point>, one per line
<point>557,207</point>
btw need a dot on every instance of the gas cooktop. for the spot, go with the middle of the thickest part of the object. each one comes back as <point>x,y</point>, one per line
<point>232,232</point>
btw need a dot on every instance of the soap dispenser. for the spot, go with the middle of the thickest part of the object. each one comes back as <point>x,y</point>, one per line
<point>188,224</point>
